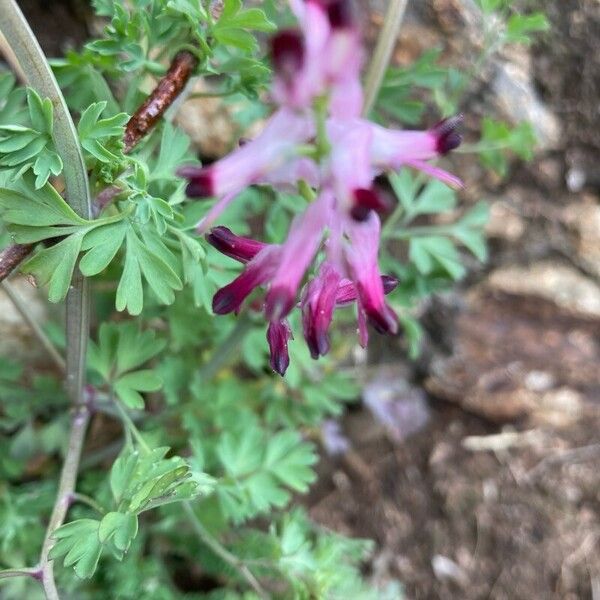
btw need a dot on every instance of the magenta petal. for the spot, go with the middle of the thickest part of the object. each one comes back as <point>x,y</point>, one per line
<point>362,260</point>
<point>239,248</point>
<point>278,335</point>
<point>318,304</point>
<point>296,255</point>
<point>347,293</point>
<point>257,272</point>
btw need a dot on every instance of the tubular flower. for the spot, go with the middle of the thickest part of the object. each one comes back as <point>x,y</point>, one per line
<point>338,154</point>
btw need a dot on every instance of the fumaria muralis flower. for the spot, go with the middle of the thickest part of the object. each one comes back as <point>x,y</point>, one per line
<point>317,66</point>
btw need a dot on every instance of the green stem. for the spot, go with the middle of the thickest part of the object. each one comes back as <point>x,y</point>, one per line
<point>383,52</point>
<point>66,487</point>
<point>131,429</point>
<point>85,499</point>
<point>30,56</point>
<point>8,573</point>
<point>410,232</point>
<point>236,563</point>
<point>224,351</point>
<point>24,311</point>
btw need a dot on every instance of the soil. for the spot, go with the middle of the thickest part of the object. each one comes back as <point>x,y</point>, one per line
<point>497,496</point>
<point>512,513</point>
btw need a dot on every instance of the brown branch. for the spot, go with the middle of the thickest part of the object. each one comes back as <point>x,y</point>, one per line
<point>140,124</point>
<point>164,94</point>
<point>12,257</point>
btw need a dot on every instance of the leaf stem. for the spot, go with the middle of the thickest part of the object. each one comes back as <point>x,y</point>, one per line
<point>8,573</point>
<point>383,52</point>
<point>85,499</point>
<point>24,311</point>
<point>130,428</point>
<point>236,563</point>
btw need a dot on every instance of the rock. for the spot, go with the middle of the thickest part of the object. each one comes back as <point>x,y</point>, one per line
<point>526,347</point>
<point>559,284</point>
<point>505,223</point>
<point>401,409</point>
<point>209,122</point>
<point>517,101</point>
<point>583,221</point>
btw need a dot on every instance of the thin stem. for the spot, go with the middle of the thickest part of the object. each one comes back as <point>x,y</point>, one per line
<point>39,75</point>
<point>410,232</point>
<point>208,540</point>
<point>24,311</point>
<point>8,573</point>
<point>66,487</point>
<point>85,499</point>
<point>222,354</point>
<point>383,52</point>
<point>131,429</point>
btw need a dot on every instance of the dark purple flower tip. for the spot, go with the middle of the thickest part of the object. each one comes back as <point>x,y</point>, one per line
<point>390,283</point>
<point>447,138</point>
<point>317,341</point>
<point>225,301</point>
<point>287,50</point>
<point>383,319</point>
<point>339,12</point>
<point>236,247</point>
<point>278,303</point>
<point>278,335</point>
<point>366,200</point>
<point>201,184</point>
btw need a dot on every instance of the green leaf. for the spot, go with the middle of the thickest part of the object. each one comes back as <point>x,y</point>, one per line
<point>128,387</point>
<point>405,187</point>
<point>289,459</point>
<point>435,198</point>
<point>24,205</point>
<point>231,27</point>
<point>102,245</point>
<point>118,528</point>
<point>102,138</point>
<point>54,266</point>
<point>427,252</point>
<point>151,259</point>
<point>121,474</point>
<point>130,292</point>
<point>520,28</point>
<point>78,542</point>
<point>40,112</point>
<point>12,101</point>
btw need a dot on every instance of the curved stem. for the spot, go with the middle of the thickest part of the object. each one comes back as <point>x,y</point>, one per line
<point>236,563</point>
<point>383,52</point>
<point>24,311</point>
<point>32,60</point>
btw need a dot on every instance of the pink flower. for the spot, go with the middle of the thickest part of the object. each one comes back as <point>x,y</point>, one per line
<point>321,295</point>
<point>319,62</point>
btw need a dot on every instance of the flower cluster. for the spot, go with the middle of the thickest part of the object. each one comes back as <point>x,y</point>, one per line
<point>317,139</point>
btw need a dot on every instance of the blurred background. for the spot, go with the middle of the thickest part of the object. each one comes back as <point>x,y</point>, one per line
<point>473,466</point>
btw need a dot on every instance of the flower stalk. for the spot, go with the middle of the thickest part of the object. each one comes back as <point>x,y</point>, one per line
<point>39,75</point>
